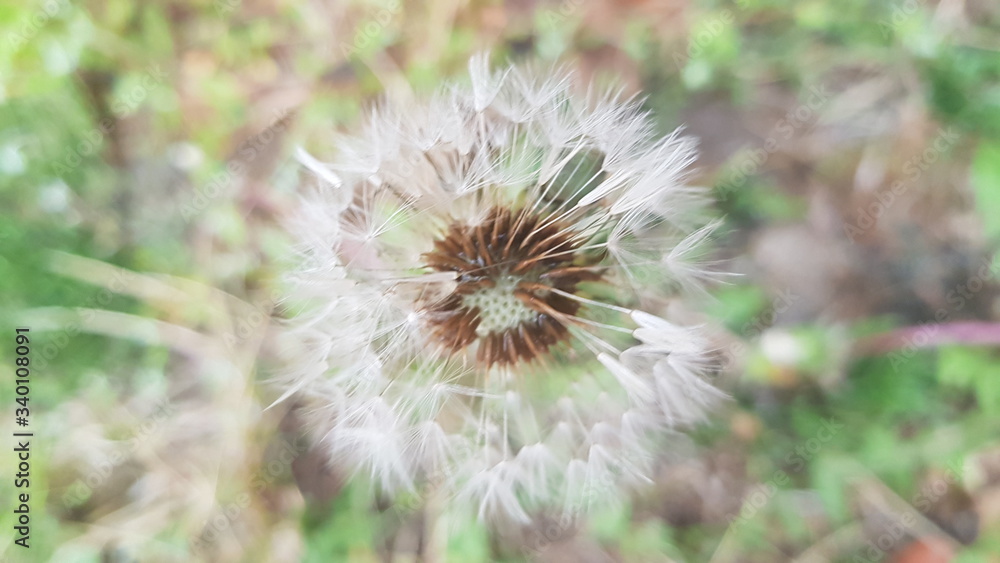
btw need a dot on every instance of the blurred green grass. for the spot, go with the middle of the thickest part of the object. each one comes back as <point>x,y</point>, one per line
<point>118,118</point>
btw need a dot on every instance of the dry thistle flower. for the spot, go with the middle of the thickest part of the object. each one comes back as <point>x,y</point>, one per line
<point>475,264</point>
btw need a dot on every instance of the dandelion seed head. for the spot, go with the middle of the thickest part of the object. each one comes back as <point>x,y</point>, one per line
<point>473,267</point>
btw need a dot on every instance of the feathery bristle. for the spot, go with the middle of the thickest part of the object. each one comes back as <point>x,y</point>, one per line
<point>474,263</point>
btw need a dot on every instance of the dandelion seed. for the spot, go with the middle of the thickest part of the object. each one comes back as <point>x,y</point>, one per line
<point>475,265</point>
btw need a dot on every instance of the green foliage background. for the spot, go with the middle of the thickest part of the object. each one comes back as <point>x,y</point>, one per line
<point>119,117</point>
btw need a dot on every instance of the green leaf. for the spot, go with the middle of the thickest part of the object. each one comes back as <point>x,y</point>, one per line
<point>831,476</point>
<point>973,369</point>
<point>986,183</point>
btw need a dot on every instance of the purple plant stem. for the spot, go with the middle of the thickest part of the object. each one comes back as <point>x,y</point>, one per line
<point>930,336</point>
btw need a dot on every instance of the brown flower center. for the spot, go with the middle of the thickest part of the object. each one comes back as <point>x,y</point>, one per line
<point>515,272</point>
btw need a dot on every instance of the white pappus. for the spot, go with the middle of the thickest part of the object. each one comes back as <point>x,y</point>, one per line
<point>472,278</point>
